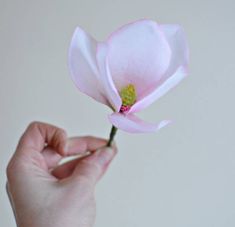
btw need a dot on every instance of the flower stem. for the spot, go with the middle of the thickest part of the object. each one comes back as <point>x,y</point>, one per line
<point>111,136</point>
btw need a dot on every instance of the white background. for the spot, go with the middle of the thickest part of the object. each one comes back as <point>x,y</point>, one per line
<point>183,176</point>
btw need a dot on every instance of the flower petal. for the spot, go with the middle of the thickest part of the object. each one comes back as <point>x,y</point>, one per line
<point>160,91</point>
<point>109,88</point>
<point>179,48</point>
<point>83,67</point>
<point>177,70</point>
<point>138,54</point>
<point>133,124</point>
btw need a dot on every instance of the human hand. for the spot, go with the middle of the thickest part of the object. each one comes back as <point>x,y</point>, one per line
<point>43,193</point>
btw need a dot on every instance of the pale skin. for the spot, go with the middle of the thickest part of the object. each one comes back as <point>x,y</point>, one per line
<point>43,193</point>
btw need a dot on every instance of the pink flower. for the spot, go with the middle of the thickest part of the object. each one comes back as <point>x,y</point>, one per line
<point>135,66</point>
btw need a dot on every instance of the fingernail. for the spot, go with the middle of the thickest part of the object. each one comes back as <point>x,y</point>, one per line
<point>104,155</point>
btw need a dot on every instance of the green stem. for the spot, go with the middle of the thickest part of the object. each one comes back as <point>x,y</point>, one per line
<point>111,136</point>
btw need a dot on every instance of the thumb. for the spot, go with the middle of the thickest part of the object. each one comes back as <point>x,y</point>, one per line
<point>92,168</point>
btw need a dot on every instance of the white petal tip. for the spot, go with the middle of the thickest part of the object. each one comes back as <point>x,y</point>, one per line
<point>164,123</point>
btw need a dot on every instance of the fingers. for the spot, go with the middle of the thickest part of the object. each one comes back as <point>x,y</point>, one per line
<point>74,146</point>
<point>45,145</point>
<point>80,145</point>
<point>38,134</point>
<point>30,147</point>
<point>51,157</point>
<point>65,170</point>
<point>91,168</point>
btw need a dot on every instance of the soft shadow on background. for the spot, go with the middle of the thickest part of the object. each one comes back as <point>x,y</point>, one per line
<point>183,176</point>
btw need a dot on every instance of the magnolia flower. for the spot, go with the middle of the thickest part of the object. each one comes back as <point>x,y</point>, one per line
<point>135,66</point>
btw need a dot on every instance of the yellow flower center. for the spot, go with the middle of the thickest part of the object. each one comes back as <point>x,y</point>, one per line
<point>128,95</point>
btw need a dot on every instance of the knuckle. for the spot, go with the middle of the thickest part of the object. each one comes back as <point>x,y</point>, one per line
<point>37,124</point>
<point>14,167</point>
<point>61,132</point>
<point>34,124</point>
<point>10,169</point>
<point>59,136</point>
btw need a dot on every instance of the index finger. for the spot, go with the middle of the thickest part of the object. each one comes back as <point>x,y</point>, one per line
<point>75,146</point>
<point>79,145</point>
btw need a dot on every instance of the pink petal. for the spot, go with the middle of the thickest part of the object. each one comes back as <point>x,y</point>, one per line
<point>138,54</point>
<point>83,67</point>
<point>133,124</point>
<point>177,70</point>
<point>110,90</point>
<point>180,53</point>
<point>160,91</point>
